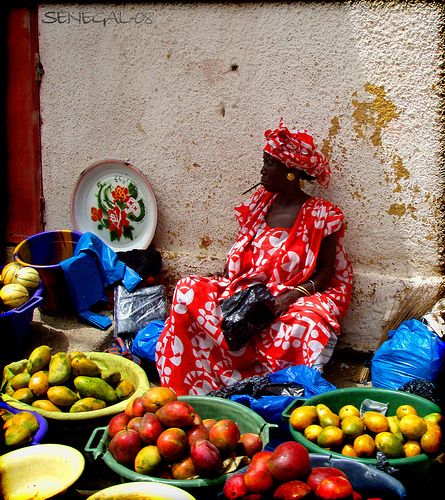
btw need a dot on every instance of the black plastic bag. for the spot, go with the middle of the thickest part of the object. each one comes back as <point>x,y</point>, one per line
<point>259,385</point>
<point>245,314</point>
<point>424,388</point>
<point>146,262</point>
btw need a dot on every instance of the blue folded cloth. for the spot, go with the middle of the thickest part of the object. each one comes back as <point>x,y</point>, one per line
<point>93,267</point>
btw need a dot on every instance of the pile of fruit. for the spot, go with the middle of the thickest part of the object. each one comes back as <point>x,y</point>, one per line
<point>68,382</point>
<point>160,435</point>
<point>286,474</point>
<point>17,282</point>
<point>18,429</point>
<point>405,434</point>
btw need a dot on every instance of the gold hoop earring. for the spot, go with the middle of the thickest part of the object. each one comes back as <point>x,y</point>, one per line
<point>290,176</point>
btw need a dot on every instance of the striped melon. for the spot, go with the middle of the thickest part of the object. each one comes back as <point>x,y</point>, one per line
<point>28,277</point>
<point>9,272</point>
<point>13,295</point>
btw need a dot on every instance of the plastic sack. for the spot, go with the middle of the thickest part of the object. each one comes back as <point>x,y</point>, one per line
<point>245,314</point>
<point>134,310</point>
<point>423,388</point>
<point>147,262</point>
<point>271,407</point>
<point>144,343</point>
<point>93,267</point>
<point>411,351</point>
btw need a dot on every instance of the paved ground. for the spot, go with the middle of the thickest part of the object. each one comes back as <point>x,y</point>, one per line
<point>66,333</point>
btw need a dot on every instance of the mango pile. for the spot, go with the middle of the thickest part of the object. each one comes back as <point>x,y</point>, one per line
<point>17,283</point>
<point>18,429</point>
<point>405,434</point>
<point>64,382</point>
<point>161,436</point>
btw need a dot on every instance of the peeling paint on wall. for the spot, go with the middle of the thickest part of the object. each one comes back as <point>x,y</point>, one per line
<point>400,172</point>
<point>376,114</point>
<point>401,209</point>
<point>326,147</point>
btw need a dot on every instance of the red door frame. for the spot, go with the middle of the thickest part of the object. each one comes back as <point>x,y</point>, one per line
<point>25,214</point>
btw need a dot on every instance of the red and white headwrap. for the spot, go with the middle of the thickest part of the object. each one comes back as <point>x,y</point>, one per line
<point>296,149</point>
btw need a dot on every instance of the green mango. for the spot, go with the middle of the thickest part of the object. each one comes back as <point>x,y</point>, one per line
<point>59,369</point>
<point>95,387</point>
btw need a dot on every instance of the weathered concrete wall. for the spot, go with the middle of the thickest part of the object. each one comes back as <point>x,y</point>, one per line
<point>184,92</point>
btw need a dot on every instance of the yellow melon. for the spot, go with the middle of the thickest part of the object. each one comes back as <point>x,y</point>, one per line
<point>13,295</point>
<point>9,272</point>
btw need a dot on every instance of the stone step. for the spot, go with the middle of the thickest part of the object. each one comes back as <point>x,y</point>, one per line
<point>67,333</point>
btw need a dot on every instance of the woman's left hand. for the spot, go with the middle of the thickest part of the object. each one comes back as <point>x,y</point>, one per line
<point>284,300</point>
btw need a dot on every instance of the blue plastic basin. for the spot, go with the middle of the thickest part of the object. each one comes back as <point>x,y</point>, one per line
<point>16,325</point>
<point>41,432</point>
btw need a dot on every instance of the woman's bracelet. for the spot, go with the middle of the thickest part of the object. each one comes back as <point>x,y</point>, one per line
<point>303,290</point>
<point>313,285</point>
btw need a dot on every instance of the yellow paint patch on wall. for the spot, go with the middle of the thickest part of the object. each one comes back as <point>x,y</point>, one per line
<point>400,173</point>
<point>334,129</point>
<point>360,197</point>
<point>412,211</point>
<point>400,209</point>
<point>375,114</point>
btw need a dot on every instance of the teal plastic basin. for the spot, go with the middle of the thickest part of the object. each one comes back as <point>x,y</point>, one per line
<point>407,469</point>
<point>207,407</point>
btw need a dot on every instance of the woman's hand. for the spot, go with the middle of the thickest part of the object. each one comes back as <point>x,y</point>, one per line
<point>284,300</point>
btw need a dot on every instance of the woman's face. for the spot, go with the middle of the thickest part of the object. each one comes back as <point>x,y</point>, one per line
<point>273,174</point>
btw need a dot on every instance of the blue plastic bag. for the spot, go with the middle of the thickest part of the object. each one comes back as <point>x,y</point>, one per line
<point>271,407</point>
<point>412,351</point>
<point>93,267</point>
<point>144,343</point>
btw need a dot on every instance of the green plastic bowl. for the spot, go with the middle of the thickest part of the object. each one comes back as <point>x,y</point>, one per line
<point>207,407</point>
<point>407,468</point>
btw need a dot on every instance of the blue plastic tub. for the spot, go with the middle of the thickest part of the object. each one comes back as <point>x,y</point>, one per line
<point>367,480</point>
<point>16,325</point>
<point>41,432</point>
<point>44,252</point>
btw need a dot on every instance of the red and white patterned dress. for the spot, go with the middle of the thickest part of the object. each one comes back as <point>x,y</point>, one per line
<point>192,355</point>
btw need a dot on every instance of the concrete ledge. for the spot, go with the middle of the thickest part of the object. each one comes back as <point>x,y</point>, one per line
<point>67,333</point>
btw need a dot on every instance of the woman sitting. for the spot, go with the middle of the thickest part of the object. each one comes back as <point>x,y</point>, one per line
<point>288,240</point>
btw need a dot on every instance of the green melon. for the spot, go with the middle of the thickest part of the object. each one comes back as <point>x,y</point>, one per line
<point>28,277</point>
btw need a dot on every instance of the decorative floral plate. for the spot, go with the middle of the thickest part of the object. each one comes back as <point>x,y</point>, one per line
<point>115,201</point>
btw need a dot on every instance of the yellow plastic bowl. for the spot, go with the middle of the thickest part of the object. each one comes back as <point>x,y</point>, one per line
<point>40,471</point>
<point>141,489</point>
<point>129,371</point>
